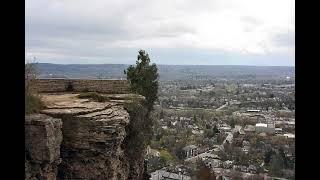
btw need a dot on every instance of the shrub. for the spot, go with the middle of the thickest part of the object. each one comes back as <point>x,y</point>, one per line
<point>138,133</point>
<point>94,96</point>
<point>33,103</point>
<point>69,86</point>
<point>164,154</point>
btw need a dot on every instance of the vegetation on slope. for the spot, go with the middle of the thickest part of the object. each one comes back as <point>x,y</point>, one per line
<point>143,79</point>
<point>33,103</point>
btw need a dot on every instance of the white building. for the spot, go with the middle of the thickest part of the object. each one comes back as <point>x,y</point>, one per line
<point>253,110</point>
<point>165,175</point>
<point>278,130</point>
<point>290,136</point>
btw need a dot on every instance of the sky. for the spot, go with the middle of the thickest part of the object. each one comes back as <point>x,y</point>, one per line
<point>205,32</point>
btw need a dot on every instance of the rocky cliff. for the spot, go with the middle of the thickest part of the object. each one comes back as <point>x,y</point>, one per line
<point>94,137</point>
<point>43,137</point>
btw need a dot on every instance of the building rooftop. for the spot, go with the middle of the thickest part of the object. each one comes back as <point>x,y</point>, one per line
<point>253,110</point>
<point>289,135</point>
<point>261,125</point>
<point>161,174</point>
<point>249,128</point>
<point>187,148</point>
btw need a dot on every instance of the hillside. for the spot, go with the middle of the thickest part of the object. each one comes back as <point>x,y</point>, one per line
<point>167,72</point>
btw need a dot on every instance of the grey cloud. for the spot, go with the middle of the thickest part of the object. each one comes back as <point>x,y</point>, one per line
<point>61,31</point>
<point>251,23</point>
<point>251,20</point>
<point>56,29</point>
<point>285,39</point>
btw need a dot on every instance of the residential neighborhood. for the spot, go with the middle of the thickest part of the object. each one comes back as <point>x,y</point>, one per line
<point>235,129</point>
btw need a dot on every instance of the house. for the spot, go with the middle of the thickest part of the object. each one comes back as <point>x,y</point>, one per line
<point>202,157</point>
<point>164,127</point>
<point>291,124</point>
<point>289,136</point>
<point>243,169</point>
<point>266,128</point>
<point>249,129</point>
<point>197,132</point>
<point>263,134</point>
<point>213,140</point>
<point>212,163</point>
<point>174,123</point>
<point>246,149</point>
<point>225,129</point>
<point>152,152</point>
<point>245,143</point>
<point>227,164</point>
<point>165,175</point>
<point>253,110</point>
<point>190,151</point>
<point>252,169</point>
<point>278,130</point>
<point>239,129</point>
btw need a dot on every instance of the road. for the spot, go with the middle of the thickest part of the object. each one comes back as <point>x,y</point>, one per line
<point>221,107</point>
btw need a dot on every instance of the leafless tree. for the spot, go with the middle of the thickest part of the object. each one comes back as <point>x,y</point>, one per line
<point>31,74</point>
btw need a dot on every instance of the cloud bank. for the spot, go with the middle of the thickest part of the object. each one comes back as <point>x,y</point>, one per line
<point>247,32</point>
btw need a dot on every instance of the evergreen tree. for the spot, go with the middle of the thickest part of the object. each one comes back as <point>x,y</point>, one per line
<point>267,156</point>
<point>161,114</point>
<point>204,173</point>
<point>143,78</point>
<point>215,129</point>
<point>232,122</point>
<point>194,118</point>
<point>283,155</point>
<point>276,165</point>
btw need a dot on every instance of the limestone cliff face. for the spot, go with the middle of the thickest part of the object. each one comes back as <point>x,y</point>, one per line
<point>43,137</point>
<point>93,145</point>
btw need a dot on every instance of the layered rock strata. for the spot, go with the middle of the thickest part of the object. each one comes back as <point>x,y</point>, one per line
<point>43,137</point>
<point>93,137</point>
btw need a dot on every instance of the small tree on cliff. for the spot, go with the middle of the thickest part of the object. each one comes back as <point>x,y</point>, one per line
<point>143,78</point>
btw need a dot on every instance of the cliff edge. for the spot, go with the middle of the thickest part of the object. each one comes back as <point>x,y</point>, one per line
<point>77,138</point>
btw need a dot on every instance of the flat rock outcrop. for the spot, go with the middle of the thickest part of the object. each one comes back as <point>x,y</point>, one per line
<point>81,85</point>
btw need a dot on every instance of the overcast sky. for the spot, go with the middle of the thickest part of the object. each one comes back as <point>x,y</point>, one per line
<point>228,32</point>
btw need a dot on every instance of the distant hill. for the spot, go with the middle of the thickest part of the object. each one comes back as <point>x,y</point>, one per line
<point>167,72</point>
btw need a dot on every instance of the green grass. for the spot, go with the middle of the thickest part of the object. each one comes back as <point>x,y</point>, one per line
<point>94,96</point>
<point>166,155</point>
<point>33,103</point>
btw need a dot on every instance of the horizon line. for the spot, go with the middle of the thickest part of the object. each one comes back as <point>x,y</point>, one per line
<point>171,64</point>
